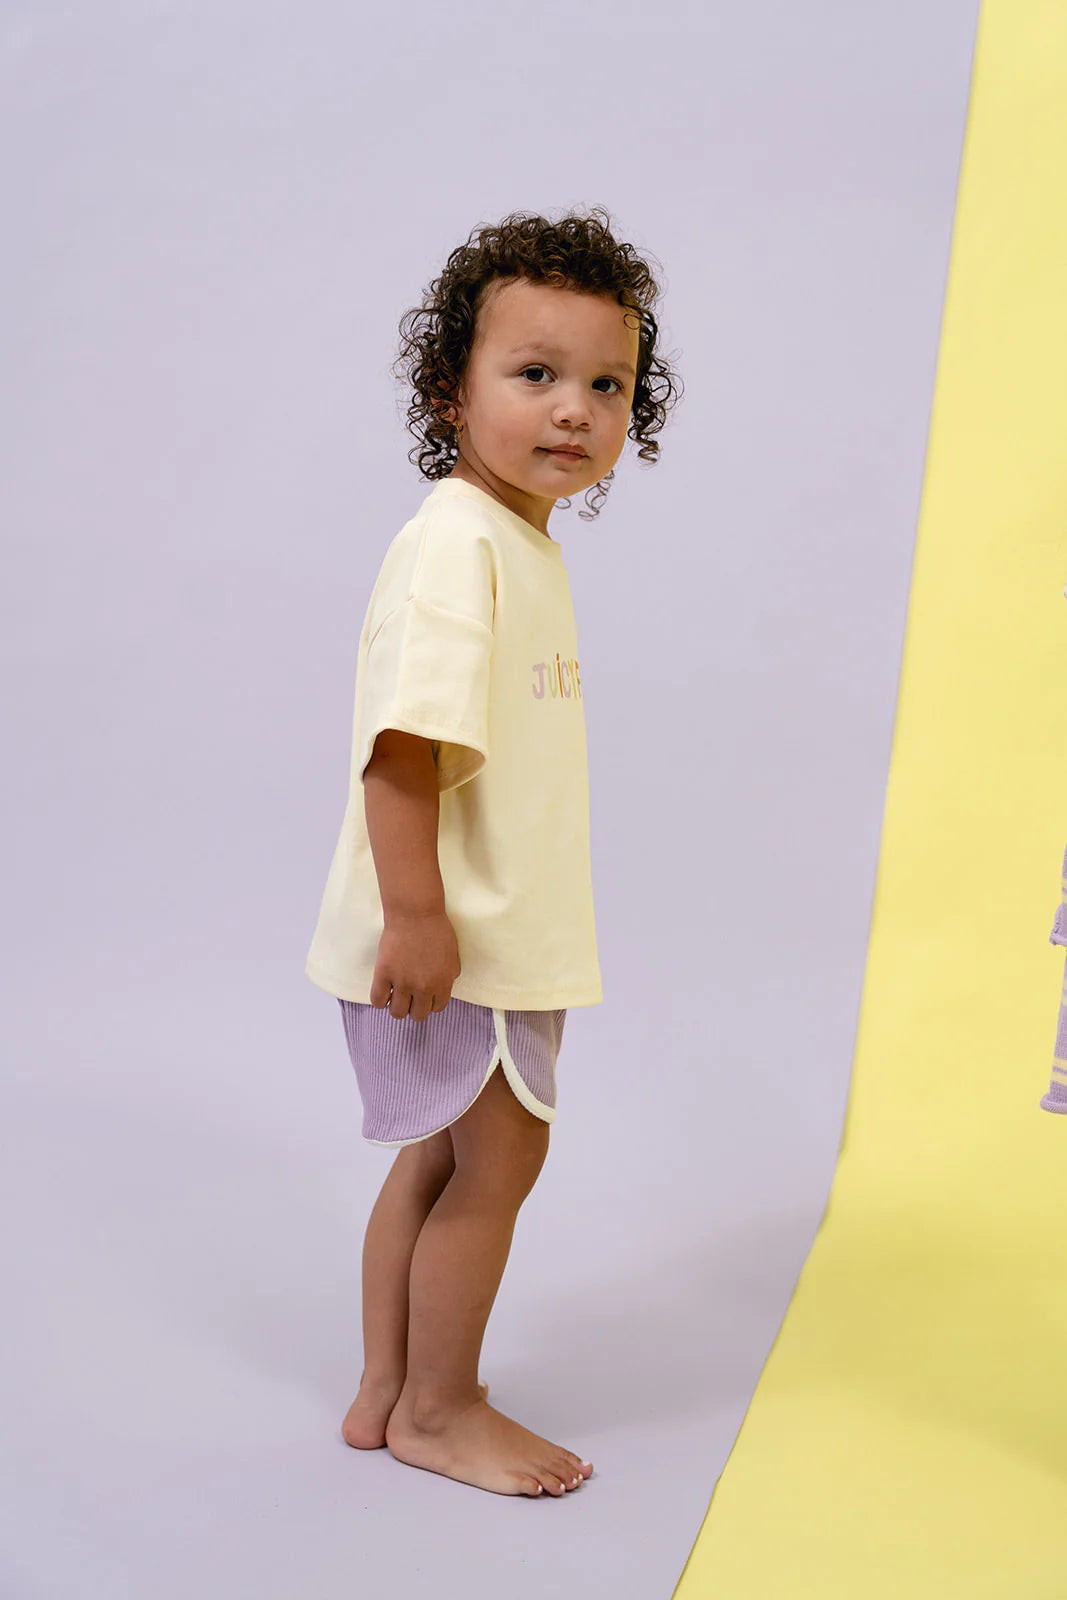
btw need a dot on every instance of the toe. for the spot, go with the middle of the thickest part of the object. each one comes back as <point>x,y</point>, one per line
<point>552,1482</point>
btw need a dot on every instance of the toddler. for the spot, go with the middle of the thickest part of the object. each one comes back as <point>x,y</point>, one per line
<point>457,927</point>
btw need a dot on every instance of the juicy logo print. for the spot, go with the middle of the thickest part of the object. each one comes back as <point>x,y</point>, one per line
<point>559,679</point>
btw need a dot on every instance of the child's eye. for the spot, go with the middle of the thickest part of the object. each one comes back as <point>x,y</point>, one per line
<point>539,368</point>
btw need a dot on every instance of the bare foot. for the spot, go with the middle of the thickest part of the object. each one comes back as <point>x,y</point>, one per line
<point>482,1447</point>
<point>364,1425</point>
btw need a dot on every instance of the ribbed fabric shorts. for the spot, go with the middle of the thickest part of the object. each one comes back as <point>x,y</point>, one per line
<point>1056,1097</point>
<point>417,1077</point>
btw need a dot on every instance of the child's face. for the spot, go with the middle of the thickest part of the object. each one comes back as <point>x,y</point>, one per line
<point>549,366</point>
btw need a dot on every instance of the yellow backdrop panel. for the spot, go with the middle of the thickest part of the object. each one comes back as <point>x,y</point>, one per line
<point>908,1436</point>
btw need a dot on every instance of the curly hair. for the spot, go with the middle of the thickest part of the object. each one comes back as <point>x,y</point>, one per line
<point>576,252</point>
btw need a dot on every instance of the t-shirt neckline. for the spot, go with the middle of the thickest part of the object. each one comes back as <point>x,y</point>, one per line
<point>542,542</point>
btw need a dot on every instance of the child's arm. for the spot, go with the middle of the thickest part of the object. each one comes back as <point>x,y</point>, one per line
<point>403,812</point>
<point>418,954</point>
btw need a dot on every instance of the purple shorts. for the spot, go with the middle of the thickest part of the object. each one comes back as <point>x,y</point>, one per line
<point>1056,1098</point>
<point>416,1077</point>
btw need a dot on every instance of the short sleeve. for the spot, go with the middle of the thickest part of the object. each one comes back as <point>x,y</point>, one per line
<point>427,672</point>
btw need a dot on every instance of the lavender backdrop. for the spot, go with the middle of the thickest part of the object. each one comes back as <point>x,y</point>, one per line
<point>214,218</point>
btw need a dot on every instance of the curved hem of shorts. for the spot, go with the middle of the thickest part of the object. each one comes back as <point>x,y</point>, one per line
<point>523,1092</point>
<point>501,1057</point>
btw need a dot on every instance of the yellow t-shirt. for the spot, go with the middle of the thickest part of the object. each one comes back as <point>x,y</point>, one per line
<point>470,640</point>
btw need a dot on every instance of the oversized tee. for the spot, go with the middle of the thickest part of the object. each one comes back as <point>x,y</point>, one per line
<point>470,640</point>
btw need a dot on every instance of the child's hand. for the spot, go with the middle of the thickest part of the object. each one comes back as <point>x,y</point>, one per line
<point>418,960</point>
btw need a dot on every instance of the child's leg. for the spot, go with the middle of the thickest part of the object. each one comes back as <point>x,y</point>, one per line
<point>409,1193</point>
<point>441,1422</point>
<point>412,1186</point>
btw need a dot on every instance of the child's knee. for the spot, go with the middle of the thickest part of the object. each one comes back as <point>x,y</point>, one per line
<point>504,1174</point>
<point>528,1157</point>
<point>431,1161</point>
<point>499,1145</point>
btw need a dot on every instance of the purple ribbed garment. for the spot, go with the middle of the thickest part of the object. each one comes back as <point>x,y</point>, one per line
<point>1056,1098</point>
<point>417,1077</point>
